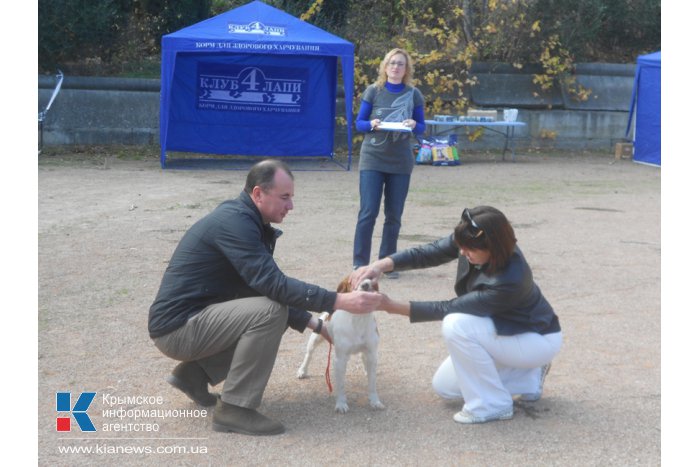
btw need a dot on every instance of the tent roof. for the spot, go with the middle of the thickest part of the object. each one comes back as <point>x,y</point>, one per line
<point>653,59</point>
<point>255,29</point>
<point>258,28</point>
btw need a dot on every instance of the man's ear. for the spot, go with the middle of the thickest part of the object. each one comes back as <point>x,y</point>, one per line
<point>256,194</point>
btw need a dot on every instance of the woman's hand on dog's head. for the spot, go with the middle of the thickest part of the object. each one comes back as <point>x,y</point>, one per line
<point>358,275</point>
<point>373,271</point>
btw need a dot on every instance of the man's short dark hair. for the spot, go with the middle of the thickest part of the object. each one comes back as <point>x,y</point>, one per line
<point>263,174</point>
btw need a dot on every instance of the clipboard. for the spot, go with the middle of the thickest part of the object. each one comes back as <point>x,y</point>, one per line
<point>393,126</point>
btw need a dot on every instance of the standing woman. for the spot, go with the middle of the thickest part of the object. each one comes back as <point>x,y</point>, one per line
<point>386,157</point>
<point>500,331</point>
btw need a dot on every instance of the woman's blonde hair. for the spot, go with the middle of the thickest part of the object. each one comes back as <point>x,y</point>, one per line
<point>407,77</point>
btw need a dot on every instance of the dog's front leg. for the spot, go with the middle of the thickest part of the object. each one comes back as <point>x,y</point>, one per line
<point>340,364</point>
<point>369,358</point>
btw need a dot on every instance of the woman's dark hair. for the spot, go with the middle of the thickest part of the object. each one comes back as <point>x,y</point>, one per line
<point>263,174</point>
<point>487,228</point>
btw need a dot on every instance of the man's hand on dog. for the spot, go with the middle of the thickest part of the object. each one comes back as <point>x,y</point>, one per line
<point>358,301</point>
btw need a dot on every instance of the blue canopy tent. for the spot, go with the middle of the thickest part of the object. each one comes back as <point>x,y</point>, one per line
<point>646,96</point>
<point>254,81</point>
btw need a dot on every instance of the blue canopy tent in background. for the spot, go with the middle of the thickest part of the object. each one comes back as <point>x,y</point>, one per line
<point>254,81</point>
<point>646,97</point>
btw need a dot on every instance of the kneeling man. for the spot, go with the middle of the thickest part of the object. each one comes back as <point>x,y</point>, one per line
<point>223,303</point>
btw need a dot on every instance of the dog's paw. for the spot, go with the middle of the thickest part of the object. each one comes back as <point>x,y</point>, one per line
<point>301,373</point>
<point>341,407</point>
<point>376,404</point>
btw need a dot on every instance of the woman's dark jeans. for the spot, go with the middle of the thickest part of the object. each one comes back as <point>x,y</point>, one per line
<point>395,189</point>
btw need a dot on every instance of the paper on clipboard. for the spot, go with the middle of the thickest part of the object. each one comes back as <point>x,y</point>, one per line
<point>393,126</point>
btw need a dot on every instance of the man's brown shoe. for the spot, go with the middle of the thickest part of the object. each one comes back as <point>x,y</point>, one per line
<point>232,418</point>
<point>191,379</point>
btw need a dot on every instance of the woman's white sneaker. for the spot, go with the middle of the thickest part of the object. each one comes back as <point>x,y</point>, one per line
<point>469,419</point>
<point>534,397</point>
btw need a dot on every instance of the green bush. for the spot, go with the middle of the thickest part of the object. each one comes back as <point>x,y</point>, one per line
<point>77,29</point>
<point>104,34</point>
<point>174,15</point>
<point>446,36</point>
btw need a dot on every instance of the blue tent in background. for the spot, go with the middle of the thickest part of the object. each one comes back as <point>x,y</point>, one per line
<point>646,96</point>
<point>253,81</point>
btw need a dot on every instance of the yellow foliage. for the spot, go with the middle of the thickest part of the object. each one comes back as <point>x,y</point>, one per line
<point>313,9</point>
<point>558,65</point>
<point>548,134</point>
<point>444,41</point>
<point>473,135</point>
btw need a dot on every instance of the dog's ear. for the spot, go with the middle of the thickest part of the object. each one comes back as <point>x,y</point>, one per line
<point>344,285</point>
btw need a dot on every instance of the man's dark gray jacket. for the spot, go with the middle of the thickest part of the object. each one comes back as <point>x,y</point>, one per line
<point>227,255</point>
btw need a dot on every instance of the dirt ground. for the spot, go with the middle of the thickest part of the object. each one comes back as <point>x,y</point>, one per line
<point>588,225</point>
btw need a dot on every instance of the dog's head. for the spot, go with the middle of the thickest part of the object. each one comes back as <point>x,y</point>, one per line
<point>367,285</point>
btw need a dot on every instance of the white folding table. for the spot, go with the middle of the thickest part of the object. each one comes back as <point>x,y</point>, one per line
<point>506,129</point>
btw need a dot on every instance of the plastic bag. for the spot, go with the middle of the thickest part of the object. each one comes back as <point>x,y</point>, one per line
<point>438,151</point>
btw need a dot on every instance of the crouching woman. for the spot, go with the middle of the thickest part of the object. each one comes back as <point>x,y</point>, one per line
<point>500,331</point>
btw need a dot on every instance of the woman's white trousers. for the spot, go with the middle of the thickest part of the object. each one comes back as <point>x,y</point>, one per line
<point>486,370</point>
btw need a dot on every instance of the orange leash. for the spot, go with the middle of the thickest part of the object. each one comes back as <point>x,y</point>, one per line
<point>328,369</point>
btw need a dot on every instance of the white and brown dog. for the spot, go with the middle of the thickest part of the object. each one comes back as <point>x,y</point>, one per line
<point>351,334</point>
